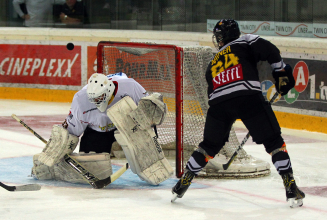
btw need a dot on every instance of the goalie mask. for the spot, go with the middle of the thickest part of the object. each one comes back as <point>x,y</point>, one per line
<point>100,90</point>
<point>226,30</point>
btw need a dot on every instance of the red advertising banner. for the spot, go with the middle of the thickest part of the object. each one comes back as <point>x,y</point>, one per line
<point>91,60</point>
<point>40,64</point>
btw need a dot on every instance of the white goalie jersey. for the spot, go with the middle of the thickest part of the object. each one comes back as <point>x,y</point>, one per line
<point>85,114</point>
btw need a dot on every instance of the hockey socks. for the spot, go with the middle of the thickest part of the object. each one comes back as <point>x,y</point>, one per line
<point>282,162</point>
<point>197,161</point>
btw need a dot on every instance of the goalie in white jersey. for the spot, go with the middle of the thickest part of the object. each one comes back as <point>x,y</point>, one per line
<point>88,115</point>
<point>88,119</point>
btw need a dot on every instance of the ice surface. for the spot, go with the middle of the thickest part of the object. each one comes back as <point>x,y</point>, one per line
<point>130,198</point>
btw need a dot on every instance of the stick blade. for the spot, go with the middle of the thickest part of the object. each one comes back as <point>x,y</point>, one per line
<point>105,182</point>
<point>225,166</point>
<point>28,187</point>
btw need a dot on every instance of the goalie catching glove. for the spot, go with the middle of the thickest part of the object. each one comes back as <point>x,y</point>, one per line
<point>284,80</point>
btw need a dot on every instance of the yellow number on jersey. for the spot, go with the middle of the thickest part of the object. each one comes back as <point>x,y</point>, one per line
<point>230,60</point>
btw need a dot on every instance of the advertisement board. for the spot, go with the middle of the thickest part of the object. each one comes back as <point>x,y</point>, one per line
<point>309,92</point>
<point>40,64</point>
<point>283,29</point>
<point>91,60</point>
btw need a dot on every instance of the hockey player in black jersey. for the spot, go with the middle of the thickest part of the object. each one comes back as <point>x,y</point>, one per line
<point>234,93</point>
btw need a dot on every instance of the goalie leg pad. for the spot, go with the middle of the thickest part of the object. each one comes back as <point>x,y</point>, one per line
<point>97,164</point>
<point>129,153</point>
<point>59,144</point>
<point>141,147</point>
<point>117,150</point>
<point>41,171</point>
<point>154,174</point>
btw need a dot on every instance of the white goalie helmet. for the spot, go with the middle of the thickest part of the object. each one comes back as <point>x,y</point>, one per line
<point>100,90</point>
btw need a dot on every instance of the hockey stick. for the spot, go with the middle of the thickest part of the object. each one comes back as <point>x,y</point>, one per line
<point>28,128</point>
<point>90,178</point>
<point>225,166</point>
<point>28,187</point>
<point>94,181</point>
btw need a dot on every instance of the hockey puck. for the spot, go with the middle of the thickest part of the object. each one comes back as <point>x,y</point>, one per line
<point>70,46</point>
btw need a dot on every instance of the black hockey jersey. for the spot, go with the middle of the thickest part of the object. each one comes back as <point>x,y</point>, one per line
<point>233,70</point>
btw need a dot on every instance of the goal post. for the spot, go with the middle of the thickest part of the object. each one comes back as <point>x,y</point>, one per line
<point>178,73</point>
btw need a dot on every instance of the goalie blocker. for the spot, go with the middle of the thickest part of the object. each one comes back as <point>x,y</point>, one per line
<point>138,140</point>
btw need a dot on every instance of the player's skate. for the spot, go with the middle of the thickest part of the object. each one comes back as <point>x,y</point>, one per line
<point>182,185</point>
<point>294,195</point>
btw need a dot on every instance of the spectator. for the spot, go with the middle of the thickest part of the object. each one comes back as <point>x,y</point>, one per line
<point>73,13</point>
<point>38,14</point>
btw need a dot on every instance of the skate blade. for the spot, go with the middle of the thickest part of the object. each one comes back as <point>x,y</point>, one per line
<point>294,203</point>
<point>175,196</point>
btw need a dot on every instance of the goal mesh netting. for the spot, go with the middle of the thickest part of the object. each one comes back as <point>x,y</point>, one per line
<point>177,72</point>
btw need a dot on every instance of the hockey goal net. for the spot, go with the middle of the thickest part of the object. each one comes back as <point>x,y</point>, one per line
<point>177,72</point>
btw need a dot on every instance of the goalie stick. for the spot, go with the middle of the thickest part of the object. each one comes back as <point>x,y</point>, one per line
<point>94,181</point>
<point>27,187</point>
<point>225,166</point>
<point>90,178</point>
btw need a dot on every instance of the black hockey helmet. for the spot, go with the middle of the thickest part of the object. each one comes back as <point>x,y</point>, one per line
<point>226,30</point>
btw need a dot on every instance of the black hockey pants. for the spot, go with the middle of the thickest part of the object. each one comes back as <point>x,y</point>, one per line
<point>99,142</point>
<point>256,114</point>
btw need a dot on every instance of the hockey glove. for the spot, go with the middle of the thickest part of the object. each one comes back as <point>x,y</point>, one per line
<point>284,80</point>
